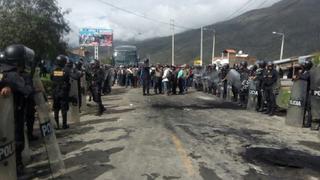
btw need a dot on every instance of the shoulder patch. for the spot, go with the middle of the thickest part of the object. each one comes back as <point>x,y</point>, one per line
<point>58,73</point>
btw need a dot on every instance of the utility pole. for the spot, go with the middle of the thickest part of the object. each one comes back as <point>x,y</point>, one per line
<point>172,29</point>
<point>96,52</point>
<point>201,46</point>
<point>282,47</point>
<point>282,44</point>
<point>213,44</point>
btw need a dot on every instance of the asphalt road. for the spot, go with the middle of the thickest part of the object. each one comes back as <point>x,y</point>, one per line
<point>189,137</point>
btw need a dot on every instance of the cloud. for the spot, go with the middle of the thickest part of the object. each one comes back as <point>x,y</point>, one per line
<point>187,13</point>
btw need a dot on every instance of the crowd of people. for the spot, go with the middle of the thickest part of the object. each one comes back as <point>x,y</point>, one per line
<point>237,83</point>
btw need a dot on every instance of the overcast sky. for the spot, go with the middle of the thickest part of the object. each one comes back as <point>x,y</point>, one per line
<point>187,13</point>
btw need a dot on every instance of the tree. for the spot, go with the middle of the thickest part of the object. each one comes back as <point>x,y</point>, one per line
<point>38,24</point>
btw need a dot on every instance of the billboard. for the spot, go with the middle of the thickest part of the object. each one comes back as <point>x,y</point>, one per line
<point>96,37</point>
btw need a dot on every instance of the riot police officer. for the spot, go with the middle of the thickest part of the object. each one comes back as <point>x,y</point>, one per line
<point>244,76</point>
<point>145,77</point>
<point>97,80</point>
<point>259,77</point>
<point>304,75</point>
<point>223,75</point>
<point>269,81</point>
<point>16,59</point>
<point>60,77</point>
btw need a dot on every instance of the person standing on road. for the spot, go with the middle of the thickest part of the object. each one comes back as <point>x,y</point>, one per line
<point>269,83</point>
<point>174,80</point>
<point>259,78</point>
<point>145,78</point>
<point>181,80</point>
<point>158,80</point>
<point>224,71</point>
<point>244,76</point>
<point>304,75</point>
<point>166,80</point>
<point>60,77</point>
<point>15,59</point>
<point>96,85</point>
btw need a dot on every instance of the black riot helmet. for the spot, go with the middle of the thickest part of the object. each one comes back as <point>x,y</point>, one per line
<point>18,55</point>
<point>270,65</point>
<point>79,65</point>
<point>308,64</point>
<point>262,64</point>
<point>214,67</point>
<point>95,64</point>
<point>61,60</point>
<point>226,66</point>
<point>146,62</point>
<point>253,68</point>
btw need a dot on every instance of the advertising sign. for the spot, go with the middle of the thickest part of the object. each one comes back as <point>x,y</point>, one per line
<point>96,37</point>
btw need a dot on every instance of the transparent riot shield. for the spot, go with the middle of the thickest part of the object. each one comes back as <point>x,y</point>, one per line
<point>233,78</point>
<point>229,93</point>
<point>221,90</point>
<point>7,140</point>
<point>46,127</point>
<point>83,89</point>
<point>73,113</point>
<point>253,96</point>
<point>315,92</point>
<point>297,104</point>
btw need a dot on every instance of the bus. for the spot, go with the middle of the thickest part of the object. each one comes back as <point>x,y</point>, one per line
<point>125,55</point>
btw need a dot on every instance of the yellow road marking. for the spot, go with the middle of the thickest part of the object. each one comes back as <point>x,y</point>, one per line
<point>183,155</point>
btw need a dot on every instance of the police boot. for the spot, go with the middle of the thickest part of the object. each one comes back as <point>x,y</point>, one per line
<point>56,118</point>
<point>315,124</point>
<point>101,109</point>
<point>64,120</point>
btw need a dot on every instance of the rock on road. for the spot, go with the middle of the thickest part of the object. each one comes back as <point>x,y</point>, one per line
<point>190,137</point>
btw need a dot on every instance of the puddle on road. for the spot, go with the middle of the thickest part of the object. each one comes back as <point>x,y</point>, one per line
<point>282,163</point>
<point>94,162</point>
<point>198,106</point>
<point>126,133</point>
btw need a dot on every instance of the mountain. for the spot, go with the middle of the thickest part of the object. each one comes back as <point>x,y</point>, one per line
<point>250,32</point>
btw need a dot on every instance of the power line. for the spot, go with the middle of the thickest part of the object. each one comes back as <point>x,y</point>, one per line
<point>240,9</point>
<point>143,16</point>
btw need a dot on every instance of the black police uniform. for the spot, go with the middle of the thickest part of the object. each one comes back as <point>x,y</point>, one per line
<point>30,106</point>
<point>305,76</point>
<point>96,87</point>
<point>60,77</point>
<point>17,56</point>
<point>260,78</point>
<point>244,93</point>
<point>270,79</point>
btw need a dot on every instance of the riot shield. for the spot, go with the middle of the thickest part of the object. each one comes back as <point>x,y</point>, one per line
<point>83,88</point>
<point>7,141</point>
<point>297,104</point>
<point>46,127</point>
<point>229,93</point>
<point>315,92</point>
<point>73,113</point>
<point>253,96</point>
<point>233,78</point>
